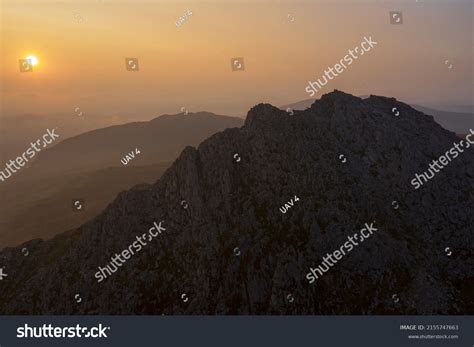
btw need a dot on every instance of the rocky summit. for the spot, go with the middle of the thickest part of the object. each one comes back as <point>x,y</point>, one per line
<point>229,248</point>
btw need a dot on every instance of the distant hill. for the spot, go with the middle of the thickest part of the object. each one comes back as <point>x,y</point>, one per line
<point>457,122</point>
<point>159,140</point>
<point>16,132</point>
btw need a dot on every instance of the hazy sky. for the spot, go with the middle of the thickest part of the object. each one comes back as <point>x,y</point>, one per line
<point>82,46</point>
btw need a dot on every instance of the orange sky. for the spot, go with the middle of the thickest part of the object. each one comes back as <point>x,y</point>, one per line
<point>82,46</point>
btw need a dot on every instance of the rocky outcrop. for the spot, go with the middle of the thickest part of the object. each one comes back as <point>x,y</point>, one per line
<point>232,251</point>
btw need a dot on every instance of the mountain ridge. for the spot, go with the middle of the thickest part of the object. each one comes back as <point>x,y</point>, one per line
<point>458,122</point>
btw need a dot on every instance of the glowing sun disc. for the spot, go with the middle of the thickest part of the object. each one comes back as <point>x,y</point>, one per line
<point>32,60</point>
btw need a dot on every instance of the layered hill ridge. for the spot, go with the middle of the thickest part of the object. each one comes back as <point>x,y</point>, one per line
<point>160,139</point>
<point>232,251</point>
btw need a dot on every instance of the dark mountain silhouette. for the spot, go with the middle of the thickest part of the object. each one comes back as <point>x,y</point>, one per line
<point>232,251</point>
<point>459,122</point>
<point>37,201</point>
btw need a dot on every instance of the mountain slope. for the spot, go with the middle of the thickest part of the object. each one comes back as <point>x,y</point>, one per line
<point>233,252</point>
<point>42,208</point>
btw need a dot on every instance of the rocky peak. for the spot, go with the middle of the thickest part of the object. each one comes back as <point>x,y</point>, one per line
<point>263,115</point>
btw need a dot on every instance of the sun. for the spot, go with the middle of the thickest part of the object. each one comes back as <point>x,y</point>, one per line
<point>32,60</point>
